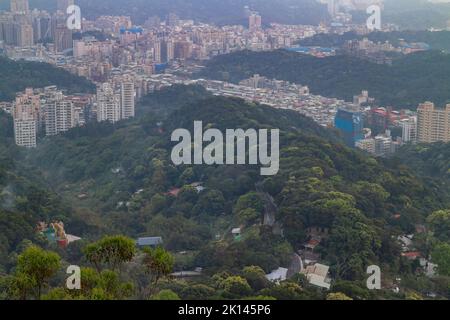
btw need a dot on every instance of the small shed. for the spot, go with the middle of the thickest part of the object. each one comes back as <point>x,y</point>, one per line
<point>149,241</point>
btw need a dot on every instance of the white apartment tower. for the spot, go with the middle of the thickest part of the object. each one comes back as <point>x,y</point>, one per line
<point>59,115</point>
<point>108,104</point>
<point>25,128</point>
<point>409,130</point>
<point>25,112</point>
<point>127,94</point>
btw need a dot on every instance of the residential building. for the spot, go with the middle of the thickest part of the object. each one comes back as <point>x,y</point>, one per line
<point>108,104</point>
<point>367,145</point>
<point>127,96</point>
<point>58,115</point>
<point>409,130</point>
<point>433,124</point>
<point>317,275</point>
<point>254,21</point>
<point>350,123</point>
<point>25,130</point>
<point>20,6</point>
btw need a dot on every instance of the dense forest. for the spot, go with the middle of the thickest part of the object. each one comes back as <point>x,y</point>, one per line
<point>414,79</point>
<point>15,76</point>
<point>106,179</point>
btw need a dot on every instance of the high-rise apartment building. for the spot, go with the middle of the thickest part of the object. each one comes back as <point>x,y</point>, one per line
<point>25,128</point>
<point>433,124</point>
<point>409,130</point>
<point>254,21</point>
<point>108,104</point>
<point>26,114</point>
<point>58,115</point>
<point>25,35</point>
<point>167,48</point>
<point>20,6</point>
<point>63,36</point>
<point>127,93</point>
<point>157,51</point>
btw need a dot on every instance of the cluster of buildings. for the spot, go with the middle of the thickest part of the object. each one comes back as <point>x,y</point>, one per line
<point>42,36</point>
<point>47,111</point>
<point>279,94</point>
<point>372,128</point>
<point>22,27</point>
<point>381,52</point>
<point>130,61</point>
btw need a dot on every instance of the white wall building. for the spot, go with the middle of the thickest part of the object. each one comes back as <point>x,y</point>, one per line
<point>127,103</point>
<point>108,104</point>
<point>25,129</point>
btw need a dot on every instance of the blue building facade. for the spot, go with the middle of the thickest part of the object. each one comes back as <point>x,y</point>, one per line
<point>351,125</point>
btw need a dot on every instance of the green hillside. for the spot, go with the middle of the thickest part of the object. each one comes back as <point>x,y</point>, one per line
<point>15,76</point>
<point>409,81</point>
<point>124,174</point>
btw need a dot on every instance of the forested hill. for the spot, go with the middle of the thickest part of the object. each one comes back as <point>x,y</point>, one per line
<point>343,76</point>
<point>429,160</point>
<point>125,173</point>
<point>15,76</point>
<point>119,179</point>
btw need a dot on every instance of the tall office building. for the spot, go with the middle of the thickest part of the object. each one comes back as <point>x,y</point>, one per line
<point>127,94</point>
<point>20,6</point>
<point>433,124</point>
<point>254,21</point>
<point>350,124</point>
<point>108,104</point>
